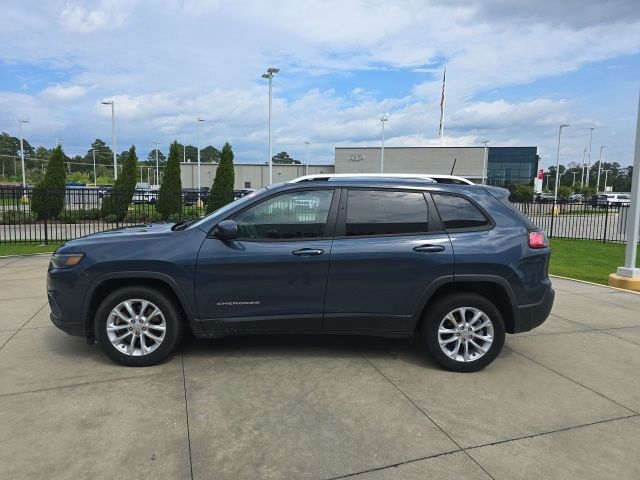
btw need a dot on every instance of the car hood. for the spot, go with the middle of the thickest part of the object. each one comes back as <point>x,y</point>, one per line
<point>125,233</point>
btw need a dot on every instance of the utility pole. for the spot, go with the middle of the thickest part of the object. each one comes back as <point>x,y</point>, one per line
<point>384,118</point>
<point>24,175</point>
<point>484,163</point>
<point>93,150</point>
<point>555,193</point>
<point>584,153</point>
<point>269,75</point>
<point>113,136</point>
<point>606,174</point>
<point>306,162</point>
<point>198,120</point>
<point>599,168</point>
<point>156,142</point>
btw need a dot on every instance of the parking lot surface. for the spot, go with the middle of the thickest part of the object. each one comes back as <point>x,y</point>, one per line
<point>562,401</point>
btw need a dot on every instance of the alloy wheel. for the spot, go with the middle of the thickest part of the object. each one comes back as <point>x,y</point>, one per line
<point>136,327</point>
<point>465,334</point>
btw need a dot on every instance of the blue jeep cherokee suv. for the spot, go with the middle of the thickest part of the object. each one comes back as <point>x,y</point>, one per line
<point>457,264</point>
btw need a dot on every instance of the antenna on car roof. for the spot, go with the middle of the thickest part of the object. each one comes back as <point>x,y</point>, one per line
<point>453,166</point>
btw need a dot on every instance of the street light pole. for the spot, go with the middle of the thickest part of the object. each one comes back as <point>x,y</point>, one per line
<point>93,151</point>
<point>156,142</point>
<point>113,136</point>
<point>599,168</point>
<point>555,193</point>
<point>269,75</point>
<point>574,178</point>
<point>584,154</point>
<point>484,163</point>
<point>606,174</point>
<point>588,164</point>
<point>24,175</point>
<point>306,162</point>
<point>198,120</point>
<point>384,118</point>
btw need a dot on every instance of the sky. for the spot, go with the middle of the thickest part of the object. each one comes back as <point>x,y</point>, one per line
<point>515,71</point>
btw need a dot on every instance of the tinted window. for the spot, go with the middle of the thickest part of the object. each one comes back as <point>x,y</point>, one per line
<point>292,215</point>
<point>458,212</point>
<point>371,212</point>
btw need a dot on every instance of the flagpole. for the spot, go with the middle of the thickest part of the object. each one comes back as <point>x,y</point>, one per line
<point>442,99</point>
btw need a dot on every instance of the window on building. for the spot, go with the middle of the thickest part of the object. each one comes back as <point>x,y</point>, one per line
<point>247,184</point>
<point>378,212</point>
<point>458,212</point>
<point>295,215</point>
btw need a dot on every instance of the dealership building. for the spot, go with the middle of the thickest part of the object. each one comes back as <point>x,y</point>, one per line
<point>505,165</point>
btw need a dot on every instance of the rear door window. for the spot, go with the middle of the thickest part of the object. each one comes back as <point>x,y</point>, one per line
<point>385,212</point>
<point>459,213</point>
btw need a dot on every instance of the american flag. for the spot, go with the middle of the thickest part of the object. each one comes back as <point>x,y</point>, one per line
<point>444,79</point>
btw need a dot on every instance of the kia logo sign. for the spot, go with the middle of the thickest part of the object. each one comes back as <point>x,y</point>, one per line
<point>356,157</point>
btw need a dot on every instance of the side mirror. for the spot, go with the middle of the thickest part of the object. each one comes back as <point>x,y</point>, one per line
<point>226,230</point>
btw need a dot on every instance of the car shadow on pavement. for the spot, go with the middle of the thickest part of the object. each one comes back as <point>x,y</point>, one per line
<point>278,346</point>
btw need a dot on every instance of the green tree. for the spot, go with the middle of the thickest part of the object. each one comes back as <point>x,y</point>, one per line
<point>222,189</point>
<point>209,154</point>
<point>170,195</point>
<point>48,196</point>
<point>151,158</point>
<point>118,201</point>
<point>283,157</point>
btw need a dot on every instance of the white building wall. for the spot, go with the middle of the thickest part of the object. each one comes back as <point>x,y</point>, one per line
<point>256,175</point>
<point>436,160</point>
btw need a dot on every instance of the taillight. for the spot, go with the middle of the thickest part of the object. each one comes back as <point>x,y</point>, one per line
<point>538,239</point>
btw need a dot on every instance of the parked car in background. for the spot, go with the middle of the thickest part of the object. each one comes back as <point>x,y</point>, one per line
<point>613,200</point>
<point>242,192</point>
<point>344,255</point>
<point>190,195</point>
<point>145,193</point>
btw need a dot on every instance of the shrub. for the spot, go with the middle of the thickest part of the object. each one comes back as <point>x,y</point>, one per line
<point>73,216</point>
<point>117,203</point>
<point>564,192</point>
<point>222,189</point>
<point>522,193</point>
<point>143,216</point>
<point>170,196</point>
<point>48,196</point>
<point>17,217</point>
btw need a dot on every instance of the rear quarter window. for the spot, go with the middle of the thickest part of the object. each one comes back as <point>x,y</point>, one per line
<point>459,213</point>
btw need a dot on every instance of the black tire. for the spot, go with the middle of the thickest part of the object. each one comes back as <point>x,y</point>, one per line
<point>173,324</point>
<point>437,311</point>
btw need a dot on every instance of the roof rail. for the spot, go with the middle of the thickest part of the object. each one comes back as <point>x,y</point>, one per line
<point>430,178</point>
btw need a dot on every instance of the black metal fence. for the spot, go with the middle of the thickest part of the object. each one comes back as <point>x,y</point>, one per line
<point>584,221</point>
<point>82,214</point>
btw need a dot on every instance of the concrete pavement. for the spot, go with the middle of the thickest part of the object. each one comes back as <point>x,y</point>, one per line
<point>562,401</point>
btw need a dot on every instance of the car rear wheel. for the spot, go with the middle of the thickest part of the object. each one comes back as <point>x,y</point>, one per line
<point>463,332</point>
<point>138,326</point>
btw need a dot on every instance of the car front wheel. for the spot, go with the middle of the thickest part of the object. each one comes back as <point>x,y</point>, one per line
<point>463,332</point>
<point>137,326</point>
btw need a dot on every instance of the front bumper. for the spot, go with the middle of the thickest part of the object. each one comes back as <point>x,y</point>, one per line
<point>65,292</point>
<point>533,315</point>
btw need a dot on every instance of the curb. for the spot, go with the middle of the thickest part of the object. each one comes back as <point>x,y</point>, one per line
<point>596,284</point>
<point>27,255</point>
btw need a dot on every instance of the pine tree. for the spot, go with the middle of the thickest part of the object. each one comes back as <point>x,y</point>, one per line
<point>222,189</point>
<point>48,196</point>
<point>170,195</point>
<point>118,201</point>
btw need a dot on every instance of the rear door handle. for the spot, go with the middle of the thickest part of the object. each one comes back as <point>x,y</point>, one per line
<point>307,252</point>
<point>429,248</point>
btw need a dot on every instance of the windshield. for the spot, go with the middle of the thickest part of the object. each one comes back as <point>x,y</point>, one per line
<point>229,206</point>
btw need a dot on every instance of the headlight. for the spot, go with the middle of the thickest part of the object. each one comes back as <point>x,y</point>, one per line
<point>66,260</point>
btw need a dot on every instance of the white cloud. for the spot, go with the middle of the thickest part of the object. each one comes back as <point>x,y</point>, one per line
<point>60,92</point>
<point>108,15</point>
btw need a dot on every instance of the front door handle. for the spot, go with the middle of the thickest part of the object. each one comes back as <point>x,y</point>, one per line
<point>307,252</point>
<point>429,248</point>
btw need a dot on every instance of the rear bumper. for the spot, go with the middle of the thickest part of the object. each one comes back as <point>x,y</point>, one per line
<point>533,315</point>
